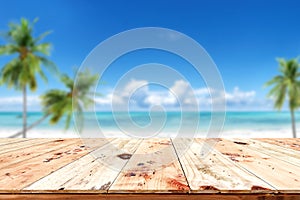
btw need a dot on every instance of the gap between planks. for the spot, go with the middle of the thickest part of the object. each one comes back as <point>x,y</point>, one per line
<point>207,170</point>
<point>242,163</point>
<point>280,174</point>
<point>94,171</point>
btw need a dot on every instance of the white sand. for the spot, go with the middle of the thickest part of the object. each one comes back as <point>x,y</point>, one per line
<point>51,133</point>
<point>37,133</point>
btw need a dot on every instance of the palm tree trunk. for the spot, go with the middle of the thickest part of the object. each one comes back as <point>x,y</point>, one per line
<point>293,123</point>
<point>30,127</point>
<point>24,111</point>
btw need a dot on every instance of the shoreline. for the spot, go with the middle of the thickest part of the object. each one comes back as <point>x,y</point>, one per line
<point>234,133</point>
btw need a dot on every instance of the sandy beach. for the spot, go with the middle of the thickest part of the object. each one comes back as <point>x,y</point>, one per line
<point>43,133</point>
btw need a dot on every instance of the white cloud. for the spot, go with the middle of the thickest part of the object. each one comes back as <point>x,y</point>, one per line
<point>202,91</point>
<point>132,86</point>
<point>104,100</point>
<point>137,95</point>
<point>160,98</point>
<point>31,100</point>
<point>240,97</point>
<point>15,103</point>
<point>180,88</point>
<point>121,96</point>
<point>181,95</point>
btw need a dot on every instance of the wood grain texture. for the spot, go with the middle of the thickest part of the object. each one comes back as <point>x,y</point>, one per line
<point>150,168</point>
<point>7,141</point>
<point>280,174</point>
<point>284,142</point>
<point>22,145</point>
<point>285,154</point>
<point>153,168</point>
<point>95,171</point>
<point>23,173</point>
<point>214,172</point>
<point>14,157</point>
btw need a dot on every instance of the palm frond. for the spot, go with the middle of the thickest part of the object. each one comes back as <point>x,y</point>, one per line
<point>42,36</point>
<point>286,85</point>
<point>43,48</point>
<point>10,74</point>
<point>8,49</point>
<point>279,101</point>
<point>69,83</point>
<point>276,79</point>
<point>51,67</point>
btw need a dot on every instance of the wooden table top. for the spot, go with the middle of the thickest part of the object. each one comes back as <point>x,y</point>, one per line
<point>167,168</point>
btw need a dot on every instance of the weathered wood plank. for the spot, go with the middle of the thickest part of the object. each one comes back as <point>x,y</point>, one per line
<point>22,145</point>
<point>95,171</point>
<point>288,155</point>
<point>21,174</point>
<point>284,142</point>
<point>281,175</point>
<point>7,141</point>
<point>154,167</point>
<point>21,155</point>
<point>213,172</point>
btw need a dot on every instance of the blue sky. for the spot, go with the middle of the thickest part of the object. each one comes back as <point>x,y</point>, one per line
<point>242,37</point>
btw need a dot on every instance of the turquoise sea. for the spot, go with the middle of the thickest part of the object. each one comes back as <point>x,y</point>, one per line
<point>235,122</point>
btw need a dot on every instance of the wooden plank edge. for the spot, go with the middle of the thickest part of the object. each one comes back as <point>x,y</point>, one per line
<point>93,196</point>
<point>148,191</point>
<point>225,192</point>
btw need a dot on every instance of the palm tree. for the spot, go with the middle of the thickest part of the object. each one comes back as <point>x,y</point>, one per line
<point>21,71</point>
<point>287,85</point>
<point>59,103</point>
<point>62,103</point>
